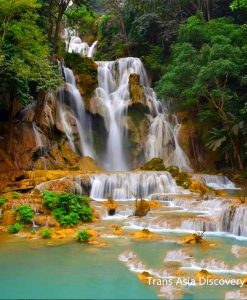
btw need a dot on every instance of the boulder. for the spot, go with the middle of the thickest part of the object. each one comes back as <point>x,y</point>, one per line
<point>111,206</point>
<point>8,218</point>
<point>142,208</point>
<point>136,90</point>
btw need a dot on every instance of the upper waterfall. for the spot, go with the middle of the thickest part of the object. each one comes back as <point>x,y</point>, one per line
<point>114,96</point>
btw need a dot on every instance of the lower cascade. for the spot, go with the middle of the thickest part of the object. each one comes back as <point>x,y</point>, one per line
<point>216,182</point>
<point>132,186</point>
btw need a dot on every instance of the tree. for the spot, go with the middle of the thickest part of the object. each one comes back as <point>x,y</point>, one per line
<point>208,75</point>
<point>24,57</point>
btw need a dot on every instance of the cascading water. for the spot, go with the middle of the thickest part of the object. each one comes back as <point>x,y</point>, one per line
<point>114,96</point>
<point>216,182</point>
<point>75,45</point>
<point>74,113</point>
<point>129,186</point>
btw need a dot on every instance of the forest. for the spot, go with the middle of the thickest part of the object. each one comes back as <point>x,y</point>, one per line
<point>123,149</point>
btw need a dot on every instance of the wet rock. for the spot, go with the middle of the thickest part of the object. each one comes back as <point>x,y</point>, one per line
<point>46,221</point>
<point>198,187</point>
<point>111,206</point>
<point>196,238</point>
<point>8,218</point>
<point>145,234</point>
<point>145,277</point>
<point>117,230</point>
<point>135,88</point>
<point>142,208</point>
<point>63,233</point>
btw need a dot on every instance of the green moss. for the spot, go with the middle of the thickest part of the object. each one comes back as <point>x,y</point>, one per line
<point>156,164</point>
<point>46,233</point>
<point>137,113</point>
<point>80,64</point>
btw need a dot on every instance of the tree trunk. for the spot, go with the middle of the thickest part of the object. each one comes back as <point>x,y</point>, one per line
<point>39,109</point>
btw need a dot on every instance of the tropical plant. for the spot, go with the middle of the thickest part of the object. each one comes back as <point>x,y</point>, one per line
<point>46,233</point>
<point>83,236</point>
<point>15,228</point>
<point>68,209</point>
<point>25,214</point>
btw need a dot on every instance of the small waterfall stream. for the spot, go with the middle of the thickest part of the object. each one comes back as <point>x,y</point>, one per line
<point>72,114</point>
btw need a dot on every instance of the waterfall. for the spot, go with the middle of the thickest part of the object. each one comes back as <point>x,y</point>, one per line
<point>216,182</point>
<point>163,142</point>
<point>75,45</point>
<point>72,114</point>
<point>129,186</point>
<point>114,96</point>
<point>233,219</point>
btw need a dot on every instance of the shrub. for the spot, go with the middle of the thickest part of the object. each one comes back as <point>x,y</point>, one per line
<point>83,236</point>
<point>2,201</point>
<point>14,228</point>
<point>46,233</point>
<point>16,195</point>
<point>25,214</point>
<point>68,209</point>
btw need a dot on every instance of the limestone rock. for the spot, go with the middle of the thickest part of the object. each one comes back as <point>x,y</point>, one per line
<point>142,208</point>
<point>135,88</point>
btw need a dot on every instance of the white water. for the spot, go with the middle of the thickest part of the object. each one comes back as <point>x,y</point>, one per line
<point>129,186</point>
<point>216,182</point>
<point>75,45</point>
<point>113,98</point>
<point>162,140</point>
<point>72,114</point>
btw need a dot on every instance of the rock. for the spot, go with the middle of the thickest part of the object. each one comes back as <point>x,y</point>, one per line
<point>88,165</point>
<point>145,234</point>
<point>155,164</point>
<point>63,233</point>
<point>204,274</point>
<point>46,221</point>
<point>117,231</point>
<point>9,218</point>
<point>111,206</point>
<point>136,91</point>
<point>198,187</point>
<point>68,154</point>
<point>145,277</point>
<point>142,208</point>
<point>196,238</point>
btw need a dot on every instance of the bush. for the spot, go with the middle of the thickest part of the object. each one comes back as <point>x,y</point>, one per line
<point>46,233</point>
<point>2,201</point>
<point>25,214</point>
<point>83,236</point>
<point>16,195</point>
<point>68,209</point>
<point>15,228</point>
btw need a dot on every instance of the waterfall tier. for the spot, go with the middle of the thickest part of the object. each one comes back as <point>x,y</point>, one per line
<point>129,186</point>
<point>216,182</point>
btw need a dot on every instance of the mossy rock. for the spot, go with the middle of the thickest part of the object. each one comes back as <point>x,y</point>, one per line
<point>86,74</point>
<point>155,164</point>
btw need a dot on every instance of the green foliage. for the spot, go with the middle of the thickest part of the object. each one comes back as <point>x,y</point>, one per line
<point>83,236</point>
<point>155,164</point>
<point>24,51</point>
<point>68,209</point>
<point>16,195</point>
<point>2,201</point>
<point>239,4</point>
<point>46,233</point>
<point>15,228</point>
<point>207,77</point>
<point>25,214</point>
<point>80,18</point>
